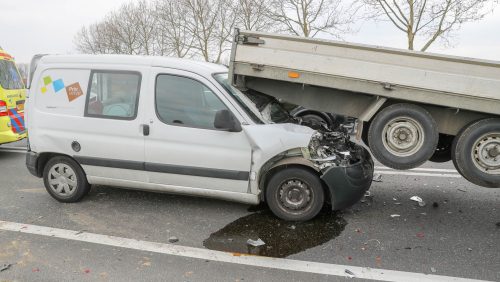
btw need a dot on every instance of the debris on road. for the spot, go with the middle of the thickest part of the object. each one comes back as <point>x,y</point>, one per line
<point>433,270</point>
<point>395,215</point>
<point>291,227</point>
<point>256,243</point>
<point>5,267</point>
<point>435,205</point>
<point>349,273</point>
<point>498,224</point>
<point>469,249</point>
<point>377,177</point>
<point>80,232</point>
<point>86,271</point>
<point>418,200</point>
<point>462,190</point>
<point>173,239</point>
<point>420,235</point>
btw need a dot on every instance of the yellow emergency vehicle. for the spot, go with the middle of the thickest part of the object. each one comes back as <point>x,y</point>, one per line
<point>12,98</point>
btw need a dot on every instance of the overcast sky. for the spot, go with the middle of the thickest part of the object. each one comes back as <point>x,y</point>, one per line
<point>29,27</point>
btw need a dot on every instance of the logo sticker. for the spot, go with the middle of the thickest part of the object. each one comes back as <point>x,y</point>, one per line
<point>74,91</point>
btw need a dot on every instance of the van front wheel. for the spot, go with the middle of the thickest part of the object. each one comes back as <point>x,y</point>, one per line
<point>65,180</point>
<point>295,194</point>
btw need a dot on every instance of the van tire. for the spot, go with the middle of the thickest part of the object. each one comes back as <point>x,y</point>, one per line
<point>299,184</point>
<point>468,146</point>
<point>65,180</point>
<point>405,120</point>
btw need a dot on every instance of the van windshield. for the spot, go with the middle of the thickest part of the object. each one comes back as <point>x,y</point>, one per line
<point>247,104</point>
<point>9,77</point>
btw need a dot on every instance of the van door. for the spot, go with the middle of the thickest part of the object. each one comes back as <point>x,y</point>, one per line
<point>111,137</point>
<point>183,148</point>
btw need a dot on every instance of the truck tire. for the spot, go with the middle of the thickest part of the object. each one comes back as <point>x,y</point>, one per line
<point>65,180</point>
<point>403,136</point>
<point>295,194</point>
<point>443,150</point>
<point>476,153</point>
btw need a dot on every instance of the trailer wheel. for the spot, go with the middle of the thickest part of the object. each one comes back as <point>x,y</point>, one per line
<point>403,136</point>
<point>476,153</point>
<point>443,150</point>
<point>295,194</point>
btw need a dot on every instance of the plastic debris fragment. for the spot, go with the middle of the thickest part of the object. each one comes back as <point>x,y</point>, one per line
<point>173,239</point>
<point>349,273</point>
<point>377,177</point>
<point>256,243</point>
<point>418,200</point>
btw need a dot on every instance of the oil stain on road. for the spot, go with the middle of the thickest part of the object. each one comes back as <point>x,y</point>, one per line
<point>281,238</point>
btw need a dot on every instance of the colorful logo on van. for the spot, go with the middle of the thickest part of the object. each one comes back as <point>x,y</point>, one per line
<point>73,91</point>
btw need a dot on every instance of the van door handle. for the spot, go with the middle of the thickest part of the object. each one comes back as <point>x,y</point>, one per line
<point>145,129</point>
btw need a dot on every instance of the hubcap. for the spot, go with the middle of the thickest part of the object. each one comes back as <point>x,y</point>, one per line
<point>403,136</point>
<point>62,180</point>
<point>486,153</point>
<point>295,195</point>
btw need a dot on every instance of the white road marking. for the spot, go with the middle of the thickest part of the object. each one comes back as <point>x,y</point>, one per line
<point>257,261</point>
<point>408,173</point>
<point>421,169</point>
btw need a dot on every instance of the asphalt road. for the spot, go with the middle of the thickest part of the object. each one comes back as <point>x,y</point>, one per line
<point>456,234</point>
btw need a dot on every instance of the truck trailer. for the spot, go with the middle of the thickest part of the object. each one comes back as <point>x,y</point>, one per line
<point>412,106</point>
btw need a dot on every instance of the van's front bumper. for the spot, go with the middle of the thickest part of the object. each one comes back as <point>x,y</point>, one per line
<point>348,184</point>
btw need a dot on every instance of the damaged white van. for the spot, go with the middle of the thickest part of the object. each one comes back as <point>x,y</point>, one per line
<point>177,126</point>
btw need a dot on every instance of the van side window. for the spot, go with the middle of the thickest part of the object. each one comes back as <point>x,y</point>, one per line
<point>186,102</point>
<point>113,94</point>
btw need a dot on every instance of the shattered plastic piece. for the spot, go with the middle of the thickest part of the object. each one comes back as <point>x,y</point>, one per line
<point>291,227</point>
<point>377,177</point>
<point>349,273</point>
<point>79,232</point>
<point>420,235</point>
<point>395,215</point>
<point>469,249</point>
<point>5,267</point>
<point>418,200</point>
<point>461,190</point>
<point>433,270</point>
<point>173,239</point>
<point>256,243</point>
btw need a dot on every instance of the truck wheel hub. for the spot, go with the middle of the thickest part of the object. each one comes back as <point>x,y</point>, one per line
<point>403,136</point>
<point>485,153</point>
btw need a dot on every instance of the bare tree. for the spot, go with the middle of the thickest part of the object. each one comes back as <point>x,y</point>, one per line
<point>173,33</point>
<point>310,17</point>
<point>429,20</point>
<point>254,15</point>
<point>211,24</point>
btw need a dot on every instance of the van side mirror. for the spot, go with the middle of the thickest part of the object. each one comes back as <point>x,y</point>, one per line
<point>224,120</point>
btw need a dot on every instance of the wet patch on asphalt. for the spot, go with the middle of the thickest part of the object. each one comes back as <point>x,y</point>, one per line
<point>281,238</point>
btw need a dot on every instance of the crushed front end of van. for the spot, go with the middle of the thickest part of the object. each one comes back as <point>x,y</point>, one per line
<point>346,168</point>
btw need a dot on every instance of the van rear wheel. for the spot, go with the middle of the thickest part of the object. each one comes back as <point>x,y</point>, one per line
<point>476,153</point>
<point>65,180</point>
<point>403,136</point>
<point>295,194</point>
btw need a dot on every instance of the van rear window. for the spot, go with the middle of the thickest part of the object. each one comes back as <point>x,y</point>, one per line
<point>113,94</point>
<point>9,77</point>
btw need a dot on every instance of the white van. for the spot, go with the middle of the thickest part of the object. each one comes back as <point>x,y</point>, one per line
<point>177,126</point>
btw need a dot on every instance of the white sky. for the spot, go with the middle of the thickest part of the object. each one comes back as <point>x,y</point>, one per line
<point>29,27</point>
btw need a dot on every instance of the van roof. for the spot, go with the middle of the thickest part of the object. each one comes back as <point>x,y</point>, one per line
<point>199,67</point>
